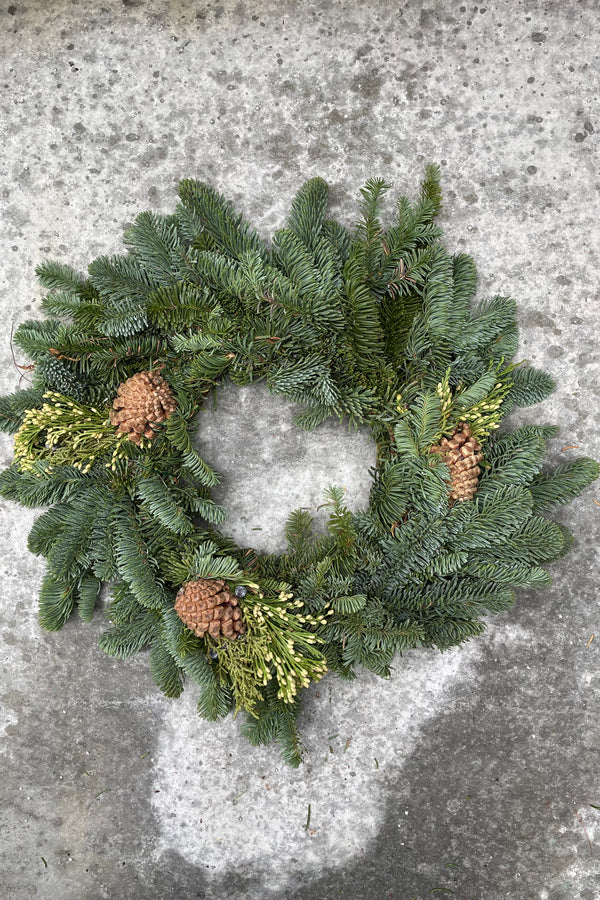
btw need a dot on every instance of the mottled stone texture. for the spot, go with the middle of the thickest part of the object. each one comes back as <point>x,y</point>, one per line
<point>477,771</point>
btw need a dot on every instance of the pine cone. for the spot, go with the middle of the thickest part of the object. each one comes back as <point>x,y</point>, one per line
<point>142,402</point>
<point>461,453</point>
<point>208,605</point>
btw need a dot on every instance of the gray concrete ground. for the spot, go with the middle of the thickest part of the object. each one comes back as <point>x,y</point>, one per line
<point>472,774</point>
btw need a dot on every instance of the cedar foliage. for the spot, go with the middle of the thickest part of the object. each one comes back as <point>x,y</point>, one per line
<point>376,326</point>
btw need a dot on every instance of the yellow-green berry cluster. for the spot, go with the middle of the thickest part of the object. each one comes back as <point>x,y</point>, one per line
<point>483,417</point>
<point>445,396</point>
<point>65,432</point>
<point>401,409</point>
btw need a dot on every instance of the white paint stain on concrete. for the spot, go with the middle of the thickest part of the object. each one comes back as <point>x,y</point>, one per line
<point>224,804</point>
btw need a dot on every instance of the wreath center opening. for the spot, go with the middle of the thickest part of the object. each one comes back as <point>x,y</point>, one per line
<point>269,467</point>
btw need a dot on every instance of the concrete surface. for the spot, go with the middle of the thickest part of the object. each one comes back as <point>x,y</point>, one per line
<point>474,772</point>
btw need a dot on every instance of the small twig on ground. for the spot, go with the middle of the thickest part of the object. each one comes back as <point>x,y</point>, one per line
<point>29,368</point>
<point>306,827</point>
<point>585,831</point>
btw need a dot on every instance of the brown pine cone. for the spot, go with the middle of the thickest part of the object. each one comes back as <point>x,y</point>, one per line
<point>143,401</point>
<point>462,454</point>
<point>209,605</point>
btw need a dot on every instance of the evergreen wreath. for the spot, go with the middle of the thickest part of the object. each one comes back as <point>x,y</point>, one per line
<point>375,328</point>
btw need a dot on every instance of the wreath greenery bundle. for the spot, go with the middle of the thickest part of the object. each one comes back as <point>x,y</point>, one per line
<point>376,327</point>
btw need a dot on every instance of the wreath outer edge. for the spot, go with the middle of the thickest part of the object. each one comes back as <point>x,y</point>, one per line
<point>376,327</point>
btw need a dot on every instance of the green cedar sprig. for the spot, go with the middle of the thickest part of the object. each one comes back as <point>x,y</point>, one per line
<point>277,645</point>
<point>65,432</point>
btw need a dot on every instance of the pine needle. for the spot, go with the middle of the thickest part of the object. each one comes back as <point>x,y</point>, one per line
<point>306,827</point>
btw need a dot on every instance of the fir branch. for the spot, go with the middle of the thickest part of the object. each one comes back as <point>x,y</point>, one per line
<point>179,305</point>
<point>529,386</point>
<point>155,244</point>
<point>339,241</point>
<point>128,638</point>
<point>276,721</point>
<point>508,573</point>
<point>566,482</point>
<point>308,209</point>
<point>215,701</point>
<point>186,650</point>
<point>88,591</point>
<point>390,492</point>
<point>47,529</point>
<point>102,538</point>
<point>182,343</point>
<point>464,277</point>
<point>493,518</point>
<point>229,231</point>
<point>56,276</point>
<point>177,433</point>
<point>70,545</point>
<point>352,604</point>
<point>304,378</point>
<point>486,323</point>
<point>440,312</point>
<point>364,328</point>
<point>36,338</point>
<point>136,567</point>
<point>209,510</point>
<point>38,487</point>
<point>158,499</point>
<point>165,671</point>
<point>57,601</point>
<point>121,280</point>
<point>14,407</point>
<point>61,303</point>
<point>514,458</point>
<point>122,607</point>
<point>296,260</point>
<point>431,192</point>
